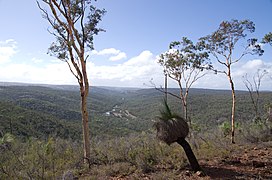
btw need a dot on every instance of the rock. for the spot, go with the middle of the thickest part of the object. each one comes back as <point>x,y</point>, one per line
<point>187,173</point>
<point>200,174</point>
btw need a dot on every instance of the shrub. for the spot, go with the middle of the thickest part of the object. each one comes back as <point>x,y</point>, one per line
<point>36,159</point>
<point>258,131</point>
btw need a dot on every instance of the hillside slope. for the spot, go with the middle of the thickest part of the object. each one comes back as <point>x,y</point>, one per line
<point>49,110</point>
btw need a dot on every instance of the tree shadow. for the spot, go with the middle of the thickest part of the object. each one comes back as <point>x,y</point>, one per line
<point>219,172</point>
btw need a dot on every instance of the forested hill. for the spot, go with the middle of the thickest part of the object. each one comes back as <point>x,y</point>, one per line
<point>48,110</point>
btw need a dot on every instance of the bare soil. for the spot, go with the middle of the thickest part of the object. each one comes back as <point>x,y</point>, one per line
<point>244,163</point>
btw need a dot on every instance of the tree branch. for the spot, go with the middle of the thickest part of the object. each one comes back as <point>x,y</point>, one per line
<point>162,90</point>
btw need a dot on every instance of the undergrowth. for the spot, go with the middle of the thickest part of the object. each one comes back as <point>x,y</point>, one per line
<point>131,156</point>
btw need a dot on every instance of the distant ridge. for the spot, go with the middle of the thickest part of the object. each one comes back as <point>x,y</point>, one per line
<point>69,87</point>
<point>60,87</point>
<point>13,84</point>
<point>119,89</point>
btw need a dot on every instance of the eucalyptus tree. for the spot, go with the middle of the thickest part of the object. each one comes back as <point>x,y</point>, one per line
<point>185,63</point>
<point>74,25</point>
<point>222,45</point>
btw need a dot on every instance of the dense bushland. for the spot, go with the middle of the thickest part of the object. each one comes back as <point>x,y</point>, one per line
<point>32,111</point>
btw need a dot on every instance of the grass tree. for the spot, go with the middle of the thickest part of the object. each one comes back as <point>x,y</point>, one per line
<point>222,45</point>
<point>74,25</point>
<point>172,128</point>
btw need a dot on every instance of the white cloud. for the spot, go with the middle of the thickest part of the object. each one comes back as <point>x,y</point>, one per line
<point>108,51</point>
<point>48,74</point>
<point>114,54</point>
<point>36,60</point>
<point>220,81</point>
<point>118,57</point>
<point>134,72</point>
<point>250,67</point>
<point>253,65</point>
<point>7,50</point>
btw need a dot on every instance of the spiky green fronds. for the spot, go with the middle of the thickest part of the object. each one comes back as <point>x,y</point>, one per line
<point>166,113</point>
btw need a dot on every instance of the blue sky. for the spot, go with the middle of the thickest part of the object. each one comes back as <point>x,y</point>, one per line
<point>136,32</point>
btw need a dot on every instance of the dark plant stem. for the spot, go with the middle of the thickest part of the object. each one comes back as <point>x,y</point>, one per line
<point>190,154</point>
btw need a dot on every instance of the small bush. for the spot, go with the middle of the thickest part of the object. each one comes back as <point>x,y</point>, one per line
<point>259,131</point>
<point>225,128</point>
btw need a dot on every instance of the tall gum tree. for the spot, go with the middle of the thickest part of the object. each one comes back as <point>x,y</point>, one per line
<point>222,43</point>
<point>185,63</point>
<point>74,25</point>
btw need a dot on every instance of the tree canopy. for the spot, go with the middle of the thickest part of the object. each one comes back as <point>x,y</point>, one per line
<point>268,38</point>
<point>74,25</point>
<point>184,62</point>
<point>222,42</point>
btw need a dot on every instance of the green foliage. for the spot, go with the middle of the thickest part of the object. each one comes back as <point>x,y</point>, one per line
<point>196,127</point>
<point>257,131</point>
<point>224,39</point>
<point>37,159</point>
<point>75,29</point>
<point>225,127</point>
<point>31,111</point>
<point>140,152</point>
<point>41,112</point>
<point>165,112</point>
<point>7,138</point>
<point>184,55</point>
<point>143,153</point>
<point>130,156</point>
<point>268,38</point>
<point>29,123</point>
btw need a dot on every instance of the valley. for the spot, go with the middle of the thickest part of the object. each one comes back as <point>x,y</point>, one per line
<point>55,110</point>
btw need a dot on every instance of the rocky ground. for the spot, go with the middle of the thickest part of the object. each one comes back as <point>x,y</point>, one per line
<point>245,163</point>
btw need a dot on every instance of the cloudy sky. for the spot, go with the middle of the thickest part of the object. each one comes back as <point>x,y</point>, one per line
<point>137,31</point>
